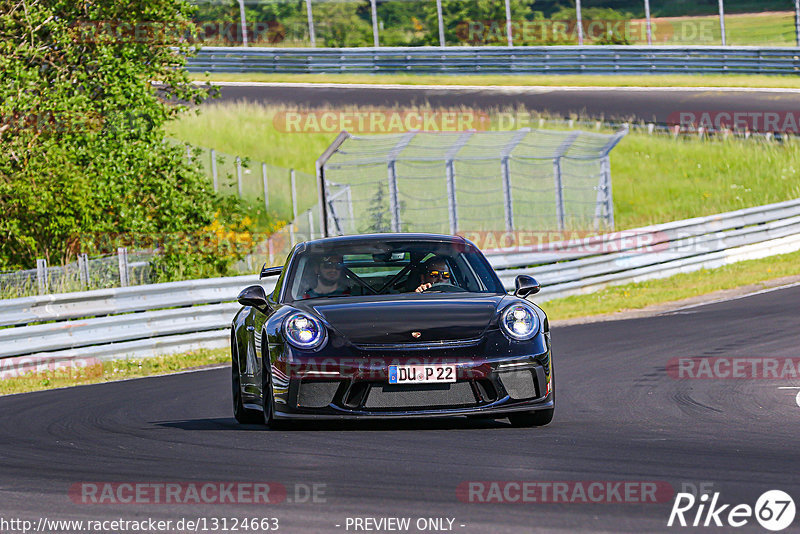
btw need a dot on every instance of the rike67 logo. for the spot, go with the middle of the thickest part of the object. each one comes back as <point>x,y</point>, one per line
<point>774,510</point>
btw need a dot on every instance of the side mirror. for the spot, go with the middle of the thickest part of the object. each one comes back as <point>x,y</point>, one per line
<point>269,271</point>
<point>526,285</point>
<point>253,296</point>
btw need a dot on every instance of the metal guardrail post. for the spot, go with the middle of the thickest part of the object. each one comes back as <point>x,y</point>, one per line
<point>214,175</point>
<point>41,276</point>
<point>266,187</point>
<point>311,224</point>
<point>394,193</point>
<point>122,260</point>
<point>239,174</point>
<point>83,270</point>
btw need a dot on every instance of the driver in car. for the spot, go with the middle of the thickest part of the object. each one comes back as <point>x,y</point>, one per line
<point>434,271</point>
<point>330,280</point>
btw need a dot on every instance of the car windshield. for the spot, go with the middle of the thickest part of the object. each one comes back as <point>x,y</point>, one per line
<point>348,269</point>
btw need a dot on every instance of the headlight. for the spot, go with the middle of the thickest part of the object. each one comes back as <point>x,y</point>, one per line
<point>519,322</point>
<point>304,331</point>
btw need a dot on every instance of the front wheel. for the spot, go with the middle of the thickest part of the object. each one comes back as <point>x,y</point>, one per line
<point>268,404</point>
<point>529,419</point>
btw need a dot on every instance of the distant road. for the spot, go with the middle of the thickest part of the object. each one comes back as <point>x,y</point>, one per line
<point>648,104</point>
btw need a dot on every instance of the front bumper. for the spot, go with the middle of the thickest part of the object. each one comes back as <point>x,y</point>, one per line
<point>346,388</point>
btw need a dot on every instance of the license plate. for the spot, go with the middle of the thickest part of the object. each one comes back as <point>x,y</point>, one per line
<point>421,374</point>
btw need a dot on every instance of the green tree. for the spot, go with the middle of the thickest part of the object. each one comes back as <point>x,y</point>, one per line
<point>85,89</point>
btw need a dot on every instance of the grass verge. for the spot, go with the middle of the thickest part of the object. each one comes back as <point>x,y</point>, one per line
<point>655,80</point>
<point>682,286</point>
<point>111,370</point>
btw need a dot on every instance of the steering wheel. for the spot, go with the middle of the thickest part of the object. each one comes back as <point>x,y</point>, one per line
<point>443,287</point>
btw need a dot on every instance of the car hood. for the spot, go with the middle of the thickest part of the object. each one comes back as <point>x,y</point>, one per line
<point>436,318</point>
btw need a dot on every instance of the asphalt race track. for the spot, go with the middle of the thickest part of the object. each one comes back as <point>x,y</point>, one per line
<point>620,417</point>
<point>650,104</point>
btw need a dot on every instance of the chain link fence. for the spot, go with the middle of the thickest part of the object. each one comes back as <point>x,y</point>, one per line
<point>115,270</point>
<point>451,183</point>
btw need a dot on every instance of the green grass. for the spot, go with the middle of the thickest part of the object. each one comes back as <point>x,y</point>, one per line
<point>655,178</point>
<point>678,287</point>
<point>108,371</point>
<point>748,29</point>
<point>666,80</point>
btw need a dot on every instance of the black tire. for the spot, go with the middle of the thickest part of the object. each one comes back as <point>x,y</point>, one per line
<point>268,414</point>
<point>529,419</point>
<point>243,415</point>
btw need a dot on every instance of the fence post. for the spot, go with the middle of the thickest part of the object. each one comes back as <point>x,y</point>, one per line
<point>122,257</point>
<point>83,270</point>
<point>508,202</point>
<point>41,276</point>
<point>722,21</point>
<point>311,33</point>
<point>239,174</point>
<point>375,39</point>
<point>559,182</point>
<point>294,206</point>
<point>266,188</point>
<point>188,154</point>
<point>394,193</point>
<point>311,224</point>
<point>509,36</point>
<point>270,252</point>
<point>559,185</point>
<point>451,179</point>
<point>609,198</point>
<point>214,175</point>
<point>441,22</point>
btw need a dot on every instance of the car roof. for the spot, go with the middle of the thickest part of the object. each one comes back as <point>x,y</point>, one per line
<point>384,238</point>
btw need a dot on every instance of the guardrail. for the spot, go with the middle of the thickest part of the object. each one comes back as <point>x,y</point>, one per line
<point>501,60</point>
<point>161,318</point>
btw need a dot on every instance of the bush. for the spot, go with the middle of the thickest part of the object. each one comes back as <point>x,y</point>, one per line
<point>84,163</point>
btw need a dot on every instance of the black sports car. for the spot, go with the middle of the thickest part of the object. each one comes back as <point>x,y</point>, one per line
<point>390,325</point>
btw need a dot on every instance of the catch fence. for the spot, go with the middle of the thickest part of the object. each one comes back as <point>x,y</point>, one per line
<point>453,183</point>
